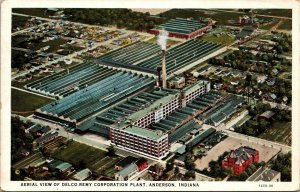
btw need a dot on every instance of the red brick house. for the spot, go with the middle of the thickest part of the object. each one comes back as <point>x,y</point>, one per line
<point>240,158</point>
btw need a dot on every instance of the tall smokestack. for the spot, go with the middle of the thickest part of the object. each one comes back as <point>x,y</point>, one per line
<point>164,69</point>
<point>159,83</point>
<point>162,41</point>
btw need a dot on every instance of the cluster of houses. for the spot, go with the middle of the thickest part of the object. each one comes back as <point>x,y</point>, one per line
<point>71,37</point>
<point>38,166</point>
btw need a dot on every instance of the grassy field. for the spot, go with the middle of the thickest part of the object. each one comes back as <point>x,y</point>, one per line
<point>280,132</point>
<point>286,25</point>
<point>93,158</point>
<point>269,26</point>
<point>39,12</point>
<point>275,12</point>
<point>25,103</point>
<point>223,39</point>
<point>221,17</point>
<point>54,45</point>
<point>18,21</point>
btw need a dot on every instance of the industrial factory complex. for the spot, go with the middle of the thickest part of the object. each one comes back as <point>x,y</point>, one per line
<point>169,101</point>
<point>183,28</point>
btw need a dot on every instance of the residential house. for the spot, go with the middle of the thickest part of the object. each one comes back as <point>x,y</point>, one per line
<point>267,115</point>
<point>271,82</point>
<point>46,138</point>
<point>261,79</point>
<point>275,72</point>
<point>125,162</point>
<point>64,167</point>
<point>127,173</point>
<point>82,175</point>
<point>156,170</point>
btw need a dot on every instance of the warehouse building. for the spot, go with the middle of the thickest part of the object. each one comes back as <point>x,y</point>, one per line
<point>148,122</point>
<point>183,28</point>
<point>141,109</point>
<point>153,143</point>
<point>94,98</point>
<point>193,91</point>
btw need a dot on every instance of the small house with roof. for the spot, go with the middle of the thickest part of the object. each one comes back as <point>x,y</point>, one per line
<point>125,162</point>
<point>82,175</point>
<point>127,173</point>
<point>267,115</point>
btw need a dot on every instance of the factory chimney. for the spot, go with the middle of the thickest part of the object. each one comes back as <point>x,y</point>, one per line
<point>164,69</point>
<point>162,41</point>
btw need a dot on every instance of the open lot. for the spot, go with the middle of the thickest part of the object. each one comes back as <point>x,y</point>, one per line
<point>223,39</point>
<point>230,143</point>
<point>286,25</point>
<point>280,132</point>
<point>39,12</point>
<point>20,22</point>
<point>24,103</point>
<point>220,17</point>
<point>93,158</point>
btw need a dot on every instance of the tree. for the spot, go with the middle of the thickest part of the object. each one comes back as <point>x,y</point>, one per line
<point>190,174</point>
<point>228,171</point>
<point>243,176</point>
<point>252,167</point>
<point>170,165</point>
<point>176,171</point>
<point>249,171</point>
<point>188,162</point>
<point>111,151</point>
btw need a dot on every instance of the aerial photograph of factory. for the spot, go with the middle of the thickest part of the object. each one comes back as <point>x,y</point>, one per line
<point>151,94</point>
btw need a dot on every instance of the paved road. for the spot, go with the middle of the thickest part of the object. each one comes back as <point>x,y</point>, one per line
<point>284,148</point>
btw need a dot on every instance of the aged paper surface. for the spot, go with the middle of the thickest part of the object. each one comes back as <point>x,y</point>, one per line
<point>156,97</point>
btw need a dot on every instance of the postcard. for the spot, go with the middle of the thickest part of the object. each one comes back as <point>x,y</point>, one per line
<point>143,96</point>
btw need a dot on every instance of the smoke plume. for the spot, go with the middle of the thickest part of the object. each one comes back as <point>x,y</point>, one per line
<point>162,39</point>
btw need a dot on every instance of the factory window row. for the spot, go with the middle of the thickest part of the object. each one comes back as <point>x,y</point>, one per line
<point>195,94</point>
<point>152,151</point>
<point>138,148</point>
<point>141,142</point>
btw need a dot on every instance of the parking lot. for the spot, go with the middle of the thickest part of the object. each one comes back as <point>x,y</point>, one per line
<point>230,143</point>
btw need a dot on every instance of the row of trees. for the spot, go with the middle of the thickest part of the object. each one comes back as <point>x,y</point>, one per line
<point>255,126</point>
<point>122,18</point>
<point>284,42</point>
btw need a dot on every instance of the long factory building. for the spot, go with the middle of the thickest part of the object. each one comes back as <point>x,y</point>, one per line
<point>128,125</point>
<point>183,28</point>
